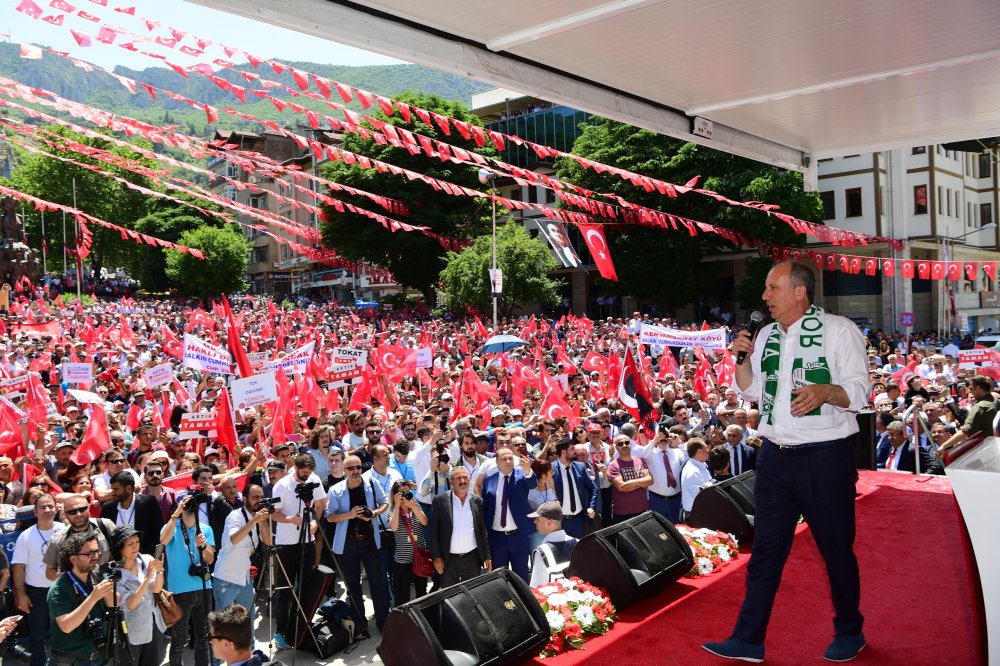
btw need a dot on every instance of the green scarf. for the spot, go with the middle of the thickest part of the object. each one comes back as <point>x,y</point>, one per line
<point>809,366</point>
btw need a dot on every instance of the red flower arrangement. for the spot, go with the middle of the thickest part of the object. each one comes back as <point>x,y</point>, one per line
<point>574,610</point>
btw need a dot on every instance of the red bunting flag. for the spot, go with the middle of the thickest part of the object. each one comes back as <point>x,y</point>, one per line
<point>906,268</point>
<point>888,267</point>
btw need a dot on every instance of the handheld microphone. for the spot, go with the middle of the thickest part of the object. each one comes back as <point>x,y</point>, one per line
<point>756,319</point>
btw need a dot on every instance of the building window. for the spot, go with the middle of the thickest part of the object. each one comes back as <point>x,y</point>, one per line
<point>260,255</point>
<point>852,198</point>
<point>229,192</point>
<point>985,214</point>
<point>920,150</point>
<point>940,200</point>
<point>829,205</point>
<point>985,165</point>
<point>919,199</point>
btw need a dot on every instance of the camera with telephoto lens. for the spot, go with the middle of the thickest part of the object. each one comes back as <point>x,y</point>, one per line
<point>10,647</point>
<point>366,512</point>
<point>304,491</point>
<point>200,571</point>
<point>270,503</point>
<point>407,495</point>
<point>442,452</point>
<point>111,571</point>
<point>98,630</point>
<point>198,496</point>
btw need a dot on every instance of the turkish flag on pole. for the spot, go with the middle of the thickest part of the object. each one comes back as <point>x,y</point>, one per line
<point>95,439</point>
<point>225,427</point>
<point>595,361</point>
<point>179,482</point>
<point>634,396</point>
<point>598,246</point>
<point>233,340</point>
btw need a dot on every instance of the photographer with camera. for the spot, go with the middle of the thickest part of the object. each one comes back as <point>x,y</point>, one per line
<point>76,510</point>
<point>382,475</point>
<point>189,554</point>
<point>436,480</point>
<point>141,577</point>
<point>353,505</point>
<point>77,602</point>
<point>30,583</point>
<point>407,524</point>
<point>247,531</point>
<point>294,491</point>
<point>214,510</point>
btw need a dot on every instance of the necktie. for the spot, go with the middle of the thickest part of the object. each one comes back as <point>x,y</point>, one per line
<point>503,502</point>
<point>892,457</point>
<point>671,479</point>
<point>572,489</point>
<point>736,460</point>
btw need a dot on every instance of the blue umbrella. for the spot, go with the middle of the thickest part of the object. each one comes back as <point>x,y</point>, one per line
<point>499,344</point>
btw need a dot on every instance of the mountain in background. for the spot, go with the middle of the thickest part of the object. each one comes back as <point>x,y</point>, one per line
<point>102,91</point>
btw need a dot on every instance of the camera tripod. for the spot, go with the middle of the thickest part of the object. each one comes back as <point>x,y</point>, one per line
<point>271,556</point>
<point>116,650</point>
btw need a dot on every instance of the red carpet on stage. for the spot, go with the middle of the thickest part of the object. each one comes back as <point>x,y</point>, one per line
<point>915,593</point>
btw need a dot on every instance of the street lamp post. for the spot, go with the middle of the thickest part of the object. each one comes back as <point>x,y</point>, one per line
<point>487,177</point>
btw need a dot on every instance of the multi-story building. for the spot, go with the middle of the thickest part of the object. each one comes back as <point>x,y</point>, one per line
<point>943,203</point>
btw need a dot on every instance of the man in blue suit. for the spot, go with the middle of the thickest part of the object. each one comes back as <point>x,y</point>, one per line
<point>506,509</point>
<point>575,490</point>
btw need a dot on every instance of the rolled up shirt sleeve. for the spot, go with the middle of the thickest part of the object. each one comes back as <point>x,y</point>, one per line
<point>848,363</point>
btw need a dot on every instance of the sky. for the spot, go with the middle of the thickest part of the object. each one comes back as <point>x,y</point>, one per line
<point>261,39</point>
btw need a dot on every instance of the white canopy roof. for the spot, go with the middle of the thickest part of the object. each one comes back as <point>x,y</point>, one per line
<point>781,80</point>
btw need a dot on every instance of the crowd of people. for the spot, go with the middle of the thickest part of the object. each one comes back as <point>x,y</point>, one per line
<point>410,480</point>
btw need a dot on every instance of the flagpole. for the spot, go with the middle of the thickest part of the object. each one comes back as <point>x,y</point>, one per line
<point>65,259</point>
<point>45,263</point>
<point>79,261</point>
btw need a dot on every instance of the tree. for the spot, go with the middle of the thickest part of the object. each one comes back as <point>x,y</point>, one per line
<point>413,258</point>
<point>224,269</point>
<point>167,220</point>
<point>96,195</point>
<point>525,263</point>
<point>663,265</point>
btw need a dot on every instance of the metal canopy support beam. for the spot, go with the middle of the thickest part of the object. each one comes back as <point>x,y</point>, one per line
<point>406,39</point>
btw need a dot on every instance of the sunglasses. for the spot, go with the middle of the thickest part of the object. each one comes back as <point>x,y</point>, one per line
<point>117,461</point>
<point>351,468</point>
<point>213,637</point>
<point>117,441</point>
<point>74,512</point>
<point>39,484</point>
<point>153,472</point>
<point>372,432</point>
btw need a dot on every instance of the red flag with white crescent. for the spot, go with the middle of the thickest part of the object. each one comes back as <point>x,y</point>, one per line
<point>593,235</point>
<point>634,395</point>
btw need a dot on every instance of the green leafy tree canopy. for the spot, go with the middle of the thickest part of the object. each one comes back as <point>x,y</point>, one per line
<point>414,259</point>
<point>525,263</point>
<point>663,265</point>
<point>224,268</point>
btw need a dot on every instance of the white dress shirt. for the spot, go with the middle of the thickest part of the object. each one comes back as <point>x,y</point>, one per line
<point>694,475</point>
<point>287,534</point>
<point>463,530</point>
<point>652,455</point>
<point>845,354</point>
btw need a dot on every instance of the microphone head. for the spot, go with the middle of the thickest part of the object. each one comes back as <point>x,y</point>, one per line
<point>756,316</point>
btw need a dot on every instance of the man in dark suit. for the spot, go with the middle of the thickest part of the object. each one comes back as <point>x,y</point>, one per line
<point>130,508</point>
<point>897,453</point>
<point>506,509</point>
<point>575,490</point>
<point>458,542</point>
<point>742,457</point>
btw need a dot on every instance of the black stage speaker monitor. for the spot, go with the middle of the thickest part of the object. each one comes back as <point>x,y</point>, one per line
<point>490,619</point>
<point>864,441</point>
<point>633,559</point>
<point>727,506</point>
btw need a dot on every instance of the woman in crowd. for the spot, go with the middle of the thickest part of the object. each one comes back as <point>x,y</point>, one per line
<point>545,491</point>
<point>142,578</point>
<point>407,524</point>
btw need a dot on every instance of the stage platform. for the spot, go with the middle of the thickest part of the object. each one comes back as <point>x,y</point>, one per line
<point>916,593</point>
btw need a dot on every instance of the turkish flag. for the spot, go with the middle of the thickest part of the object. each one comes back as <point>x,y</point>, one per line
<point>775,254</point>
<point>938,271</point>
<point>907,268</point>
<point>990,268</point>
<point>225,428</point>
<point>855,265</point>
<point>396,361</point>
<point>595,361</point>
<point>567,364</point>
<point>844,262</point>
<point>634,395</point>
<point>554,406</point>
<point>924,269</point>
<point>888,267</point>
<point>233,341</point>
<point>954,270</point>
<point>820,259</point>
<point>593,235</point>
<point>179,482</point>
<point>871,266</point>
<point>971,270</point>
<point>95,439</point>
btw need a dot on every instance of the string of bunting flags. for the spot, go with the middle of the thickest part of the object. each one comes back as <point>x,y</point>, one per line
<point>905,268</point>
<point>107,35</point>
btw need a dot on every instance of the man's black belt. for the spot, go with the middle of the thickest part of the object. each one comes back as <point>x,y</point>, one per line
<point>506,532</point>
<point>464,555</point>
<point>810,446</point>
<point>665,497</point>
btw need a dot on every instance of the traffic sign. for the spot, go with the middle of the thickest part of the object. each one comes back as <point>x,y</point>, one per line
<point>906,319</point>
